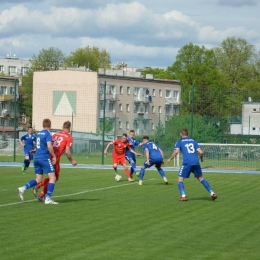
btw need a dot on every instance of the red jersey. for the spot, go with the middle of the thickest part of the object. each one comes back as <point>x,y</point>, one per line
<point>120,147</point>
<point>61,140</point>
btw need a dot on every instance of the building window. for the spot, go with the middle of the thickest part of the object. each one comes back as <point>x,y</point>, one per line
<point>145,126</point>
<point>120,124</point>
<point>111,107</point>
<point>12,69</point>
<point>160,93</point>
<point>121,90</point>
<point>167,110</point>
<point>159,109</point>
<point>1,68</point>
<point>24,70</point>
<point>168,94</point>
<point>11,90</point>
<point>3,90</point>
<point>153,92</point>
<point>254,109</point>
<point>127,125</point>
<point>11,122</point>
<point>175,110</point>
<point>152,126</point>
<point>128,91</point>
<point>120,107</point>
<point>153,109</point>
<point>127,108</point>
<point>176,94</point>
<point>3,105</point>
<point>146,109</point>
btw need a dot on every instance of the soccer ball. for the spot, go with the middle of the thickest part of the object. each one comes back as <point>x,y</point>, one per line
<point>118,177</point>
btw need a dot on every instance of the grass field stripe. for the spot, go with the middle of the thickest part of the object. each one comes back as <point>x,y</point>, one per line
<point>74,194</point>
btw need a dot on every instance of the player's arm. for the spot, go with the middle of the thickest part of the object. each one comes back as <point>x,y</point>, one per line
<point>51,151</point>
<point>134,152</point>
<point>175,152</point>
<point>201,154</point>
<point>147,155</point>
<point>69,156</point>
<point>162,154</point>
<point>21,142</point>
<point>105,152</point>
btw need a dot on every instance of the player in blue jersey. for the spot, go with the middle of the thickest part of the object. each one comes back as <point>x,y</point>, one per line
<point>43,163</point>
<point>189,149</point>
<point>27,141</point>
<point>130,157</point>
<point>154,156</point>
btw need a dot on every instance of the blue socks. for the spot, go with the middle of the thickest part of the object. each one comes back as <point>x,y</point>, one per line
<point>181,188</point>
<point>30,184</point>
<point>26,163</point>
<point>141,174</point>
<point>133,167</point>
<point>50,190</point>
<point>206,185</point>
<point>161,172</point>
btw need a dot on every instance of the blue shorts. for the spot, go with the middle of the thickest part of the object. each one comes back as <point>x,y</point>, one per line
<point>186,170</point>
<point>156,162</point>
<point>43,166</point>
<point>130,158</point>
<point>27,153</point>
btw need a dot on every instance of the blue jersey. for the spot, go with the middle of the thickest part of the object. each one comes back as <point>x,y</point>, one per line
<point>189,148</point>
<point>42,139</point>
<point>28,141</point>
<point>133,143</point>
<point>154,151</point>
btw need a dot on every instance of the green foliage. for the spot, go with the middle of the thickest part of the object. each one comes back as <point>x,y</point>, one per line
<point>159,73</point>
<point>2,74</point>
<point>93,58</point>
<point>159,133</point>
<point>108,126</point>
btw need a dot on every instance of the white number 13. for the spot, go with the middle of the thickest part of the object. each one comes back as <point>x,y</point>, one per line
<point>190,148</point>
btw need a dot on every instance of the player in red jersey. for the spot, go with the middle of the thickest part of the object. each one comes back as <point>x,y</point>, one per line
<point>118,154</point>
<point>62,142</point>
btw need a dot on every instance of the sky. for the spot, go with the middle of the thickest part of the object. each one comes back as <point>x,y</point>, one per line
<point>140,33</point>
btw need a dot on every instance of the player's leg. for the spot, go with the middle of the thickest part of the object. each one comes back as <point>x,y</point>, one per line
<point>183,173</point>
<point>161,171</point>
<point>142,172</point>
<point>133,166</point>
<point>127,172</point>
<point>26,162</point>
<point>198,174</point>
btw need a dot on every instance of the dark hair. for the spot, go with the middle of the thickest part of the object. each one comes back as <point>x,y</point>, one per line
<point>131,131</point>
<point>185,131</point>
<point>67,125</point>
<point>146,137</point>
<point>29,126</point>
<point>46,123</point>
<point>124,135</point>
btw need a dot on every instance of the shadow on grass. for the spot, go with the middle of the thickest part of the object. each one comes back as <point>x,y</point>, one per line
<point>204,198</point>
<point>69,200</point>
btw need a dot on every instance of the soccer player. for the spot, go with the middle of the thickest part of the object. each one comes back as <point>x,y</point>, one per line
<point>118,154</point>
<point>130,157</point>
<point>189,149</point>
<point>43,163</point>
<point>62,142</point>
<point>27,141</point>
<point>154,156</point>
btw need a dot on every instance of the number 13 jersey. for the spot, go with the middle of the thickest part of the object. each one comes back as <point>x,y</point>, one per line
<point>189,148</point>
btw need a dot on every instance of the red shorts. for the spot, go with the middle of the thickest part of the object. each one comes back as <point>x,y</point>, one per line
<point>118,159</point>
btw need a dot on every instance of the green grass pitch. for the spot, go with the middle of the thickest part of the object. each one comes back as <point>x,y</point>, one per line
<point>98,218</point>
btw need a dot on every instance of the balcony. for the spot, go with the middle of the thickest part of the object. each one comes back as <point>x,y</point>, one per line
<point>142,132</point>
<point>110,97</point>
<point>110,114</point>
<point>139,115</point>
<point>172,100</point>
<point>6,97</point>
<point>168,117</point>
<point>142,99</point>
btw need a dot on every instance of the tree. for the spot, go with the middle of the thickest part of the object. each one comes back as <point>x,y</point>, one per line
<point>159,133</point>
<point>197,65</point>
<point>93,58</point>
<point>159,73</point>
<point>47,59</point>
<point>108,126</point>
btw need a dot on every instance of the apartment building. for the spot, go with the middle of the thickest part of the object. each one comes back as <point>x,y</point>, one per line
<point>131,101</point>
<point>13,66</point>
<point>134,102</point>
<point>8,102</point>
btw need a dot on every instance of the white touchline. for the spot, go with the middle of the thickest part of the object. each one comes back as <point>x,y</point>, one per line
<point>73,194</point>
